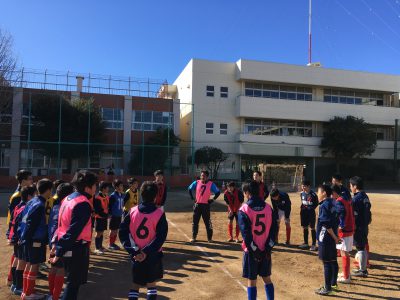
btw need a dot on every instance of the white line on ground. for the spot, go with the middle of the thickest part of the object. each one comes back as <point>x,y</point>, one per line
<point>210,257</point>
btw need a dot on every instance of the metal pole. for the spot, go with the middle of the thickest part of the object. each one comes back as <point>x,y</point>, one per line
<point>168,143</point>
<point>29,124</point>
<point>88,139</point>
<point>142,139</point>
<point>313,170</point>
<point>59,138</point>
<point>309,32</point>
<point>192,142</point>
<point>396,133</point>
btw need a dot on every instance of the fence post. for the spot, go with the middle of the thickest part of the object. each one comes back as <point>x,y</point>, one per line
<point>396,133</point>
<point>59,138</point>
<point>192,142</point>
<point>88,139</point>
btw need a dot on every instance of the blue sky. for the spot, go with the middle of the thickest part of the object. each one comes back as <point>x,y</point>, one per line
<point>156,39</point>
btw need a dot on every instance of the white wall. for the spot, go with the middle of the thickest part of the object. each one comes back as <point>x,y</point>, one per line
<point>316,76</point>
<point>306,146</point>
<point>313,110</point>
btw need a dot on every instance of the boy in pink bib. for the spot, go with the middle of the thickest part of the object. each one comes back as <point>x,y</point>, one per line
<point>258,229</point>
<point>142,234</point>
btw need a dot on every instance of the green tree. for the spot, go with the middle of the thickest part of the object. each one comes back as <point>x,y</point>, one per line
<point>347,138</point>
<point>71,127</point>
<point>155,152</point>
<point>210,158</point>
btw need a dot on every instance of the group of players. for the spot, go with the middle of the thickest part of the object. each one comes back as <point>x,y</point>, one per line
<point>65,222</point>
<point>342,221</point>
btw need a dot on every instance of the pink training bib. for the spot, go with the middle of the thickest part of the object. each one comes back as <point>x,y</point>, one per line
<point>260,225</point>
<point>143,226</point>
<point>203,192</point>
<point>64,219</point>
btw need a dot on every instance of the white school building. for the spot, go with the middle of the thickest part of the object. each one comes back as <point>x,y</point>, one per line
<point>264,112</point>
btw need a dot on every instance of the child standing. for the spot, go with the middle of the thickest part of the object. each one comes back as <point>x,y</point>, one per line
<point>27,193</point>
<point>258,229</point>
<point>34,236</point>
<point>115,209</point>
<point>327,238</point>
<point>142,233</point>
<point>56,272</point>
<point>362,218</point>
<point>309,202</point>
<point>100,205</point>
<point>234,199</point>
<point>131,198</point>
<point>162,189</point>
<point>345,232</point>
<point>24,178</point>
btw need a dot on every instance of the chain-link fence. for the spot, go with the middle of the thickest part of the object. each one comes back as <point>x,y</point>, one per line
<point>58,132</point>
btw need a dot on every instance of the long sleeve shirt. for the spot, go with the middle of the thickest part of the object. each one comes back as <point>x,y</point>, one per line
<point>155,245</point>
<point>345,193</point>
<point>362,210</point>
<point>283,203</point>
<point>15,199</point>
<point>214,190</point>
<point>257,204</point>
<point>81,214</point>
<point>35,222</point>
<point>327,216</point>
<point>309,201</point>
<point>98,208</point>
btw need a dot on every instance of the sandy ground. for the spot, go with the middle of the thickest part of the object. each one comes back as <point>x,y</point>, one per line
<point>213,271</point>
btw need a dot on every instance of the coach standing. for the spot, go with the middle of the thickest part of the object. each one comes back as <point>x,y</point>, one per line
<point>204,188</point>
<point>75,232</point>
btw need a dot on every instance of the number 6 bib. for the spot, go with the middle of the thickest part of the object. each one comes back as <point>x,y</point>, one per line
<point>143,226</point>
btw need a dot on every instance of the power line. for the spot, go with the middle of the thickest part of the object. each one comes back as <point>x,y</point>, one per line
<point>380,18</point>
<point>366,27</point>
<point>393,9</point>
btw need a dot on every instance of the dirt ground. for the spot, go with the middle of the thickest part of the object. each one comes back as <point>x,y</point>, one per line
<point>213,271</point>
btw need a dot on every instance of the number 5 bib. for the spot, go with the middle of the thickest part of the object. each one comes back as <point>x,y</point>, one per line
<point>260,225</point>
<point>143,226</point>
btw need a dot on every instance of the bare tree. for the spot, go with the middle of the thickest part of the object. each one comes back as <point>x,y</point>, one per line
<point>8,71</point>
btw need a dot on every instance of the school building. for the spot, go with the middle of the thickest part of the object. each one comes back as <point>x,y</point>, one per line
<point>132,110</point>
<point>264,112</point>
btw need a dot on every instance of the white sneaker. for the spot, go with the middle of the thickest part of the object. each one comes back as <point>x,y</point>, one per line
<point>344,280</point>
<point>98,252</point>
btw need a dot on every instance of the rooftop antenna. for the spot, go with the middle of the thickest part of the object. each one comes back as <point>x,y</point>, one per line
<point>310,63</point>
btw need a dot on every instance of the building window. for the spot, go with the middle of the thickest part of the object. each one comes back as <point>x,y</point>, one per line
<point>209,128</point>
<point>113,118</point>
<point>278,127</point>
<point>353,97</point>
<point>151,120</point>
<point>223,128</point>
<point>224,92</point>
<point>275,91</point>
<point>4,158</point>
<point>210,91</point>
